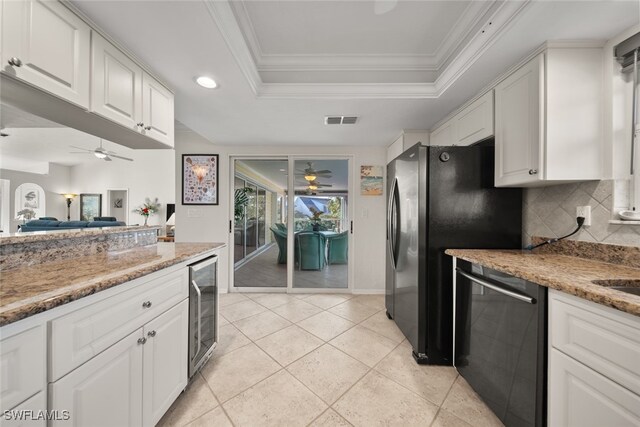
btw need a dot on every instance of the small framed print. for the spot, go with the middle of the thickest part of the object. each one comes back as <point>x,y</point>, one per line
<point>199,179</point>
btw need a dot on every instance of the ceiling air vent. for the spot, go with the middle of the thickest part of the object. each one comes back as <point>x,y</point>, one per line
<point>340,120</point>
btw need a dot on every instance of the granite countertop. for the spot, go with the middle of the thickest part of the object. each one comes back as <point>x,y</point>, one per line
<point>568,274</point>
<point>39,236</point>
<point>26,291</point>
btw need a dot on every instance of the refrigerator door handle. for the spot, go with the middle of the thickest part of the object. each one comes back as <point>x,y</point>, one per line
<point>390,222</point>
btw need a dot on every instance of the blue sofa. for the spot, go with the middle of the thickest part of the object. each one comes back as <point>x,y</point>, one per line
<point>48,224</point>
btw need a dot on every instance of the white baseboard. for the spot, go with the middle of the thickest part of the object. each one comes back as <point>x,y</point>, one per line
<point>368,291</point>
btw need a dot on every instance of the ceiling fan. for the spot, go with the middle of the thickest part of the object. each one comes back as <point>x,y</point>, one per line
<point>100,153</point>
<point>310,174</point>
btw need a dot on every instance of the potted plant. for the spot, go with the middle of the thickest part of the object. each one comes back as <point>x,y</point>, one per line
<point>315,218</point>
<point>240,200</point>
<point>148,208</point>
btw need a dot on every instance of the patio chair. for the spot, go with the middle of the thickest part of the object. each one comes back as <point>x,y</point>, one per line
<point>310,247</point>
<point>338,248</point>
<point>281,226</point>
<point>281,240</point>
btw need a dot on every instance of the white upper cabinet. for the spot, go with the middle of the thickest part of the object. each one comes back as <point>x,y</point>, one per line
<point>47,46</point>
<point>472,124</point>
<point>116,85</point>
<point>157,110</point>
<point>549,120</point>
<point>518,105</point>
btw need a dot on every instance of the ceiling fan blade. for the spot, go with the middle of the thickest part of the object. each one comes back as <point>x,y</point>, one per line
<point>80,152</point>
<point>80,148</point>
<point>324,171</point>
<point>121,157</point>
<point>108,159</point>
<point>324,185</point>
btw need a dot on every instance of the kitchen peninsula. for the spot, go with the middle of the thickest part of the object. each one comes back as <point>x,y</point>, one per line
<point>77,307</point>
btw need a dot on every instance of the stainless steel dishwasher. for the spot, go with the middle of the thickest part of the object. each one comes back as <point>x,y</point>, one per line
<point>501,341</point>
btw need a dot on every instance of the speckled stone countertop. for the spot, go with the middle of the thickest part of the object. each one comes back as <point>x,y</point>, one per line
<point>40,236</point>
<point>568,274</point>
<point>33,289</point>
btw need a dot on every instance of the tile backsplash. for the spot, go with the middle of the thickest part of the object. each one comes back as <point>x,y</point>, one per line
<point>551,212</point>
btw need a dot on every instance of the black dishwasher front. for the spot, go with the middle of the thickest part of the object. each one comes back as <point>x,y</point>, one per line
<point>501,341</point>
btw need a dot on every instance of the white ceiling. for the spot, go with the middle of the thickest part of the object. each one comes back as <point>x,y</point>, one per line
<point>261,102</point>
<point>272,171</point>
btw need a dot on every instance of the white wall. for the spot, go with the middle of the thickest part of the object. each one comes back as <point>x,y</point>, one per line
<point>152,174</point>
<point>56,182</point>
<point>211,223</point>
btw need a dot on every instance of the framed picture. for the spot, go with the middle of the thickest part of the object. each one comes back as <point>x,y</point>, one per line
<point>371,180</point>
<point>199,179</point>
<point>90,206</point>
<point>29,201</point>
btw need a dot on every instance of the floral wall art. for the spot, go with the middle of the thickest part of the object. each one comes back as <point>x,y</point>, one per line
<point>199,179</point>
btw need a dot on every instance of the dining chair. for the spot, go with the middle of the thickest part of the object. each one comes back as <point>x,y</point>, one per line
<point>310,247</point>
<point>338,248</point>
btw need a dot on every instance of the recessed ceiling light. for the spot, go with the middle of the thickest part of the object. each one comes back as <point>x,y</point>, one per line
<point>207,82</point>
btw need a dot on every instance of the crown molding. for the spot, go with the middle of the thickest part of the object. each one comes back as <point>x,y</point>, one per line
<point>468,20</point>
<point>501,19</point>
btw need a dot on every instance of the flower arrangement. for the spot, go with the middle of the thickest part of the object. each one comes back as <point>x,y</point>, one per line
<point>148,208</point>
<point>26,214</point>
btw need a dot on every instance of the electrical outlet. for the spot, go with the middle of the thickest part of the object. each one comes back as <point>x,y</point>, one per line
<point>585,212</point>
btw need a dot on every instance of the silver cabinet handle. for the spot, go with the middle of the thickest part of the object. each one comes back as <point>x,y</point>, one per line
<point>15,62</point>
<point>199,294</point>
<point>496,288</point>
<point>533,171</point>
<point>146,304</point>
<point>140,124</point>
<point>147,128</point>
<point>151,333</point>
<point>142,340</point>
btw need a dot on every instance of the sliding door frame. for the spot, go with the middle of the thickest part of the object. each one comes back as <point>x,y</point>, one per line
<point>291,159</point>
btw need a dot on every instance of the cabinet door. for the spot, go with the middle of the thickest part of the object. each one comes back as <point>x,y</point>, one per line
<point>157,110</point>
<point>51,43</point>
<point>22,366</point>
<point>475,122</point>
<point>165,361</point>
<point>105,391</point>
<point>444,135</point>
<point>519,125</point>
<point>16,417</point>
<point>116,84</point>
<point>580,397</point>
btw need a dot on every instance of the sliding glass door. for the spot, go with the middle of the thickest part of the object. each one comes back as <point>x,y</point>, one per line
<point>260,257</point>
<point>291,223</point>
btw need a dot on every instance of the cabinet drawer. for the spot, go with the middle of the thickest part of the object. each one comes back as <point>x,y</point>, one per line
<point>82,334</point>
<point>17,417</point>
<point>607,342</point>
<point>22,363</point>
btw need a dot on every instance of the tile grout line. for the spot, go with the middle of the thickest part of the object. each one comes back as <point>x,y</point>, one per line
<point>217,400</point>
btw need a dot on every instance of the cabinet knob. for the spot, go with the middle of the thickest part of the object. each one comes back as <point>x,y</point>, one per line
<point>146,304</point>
<point>533,171</point>
<point>15,62</point>
<point>147,128</point>
<point>151,333</point>
<point>142,340</point>
<point>140,124</point>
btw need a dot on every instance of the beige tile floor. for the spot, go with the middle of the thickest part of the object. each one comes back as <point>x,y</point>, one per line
<point>320,360</point>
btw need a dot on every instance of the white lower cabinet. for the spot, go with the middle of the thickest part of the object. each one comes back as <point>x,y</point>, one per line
<point>133,382</point>
<point>165,362</point>
<point>594,364</point>
<point>581,397</point>
<point>105,391</point>
<point>27,414</point>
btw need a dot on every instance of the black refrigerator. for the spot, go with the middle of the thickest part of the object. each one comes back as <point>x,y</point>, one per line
<point>440,198</point>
